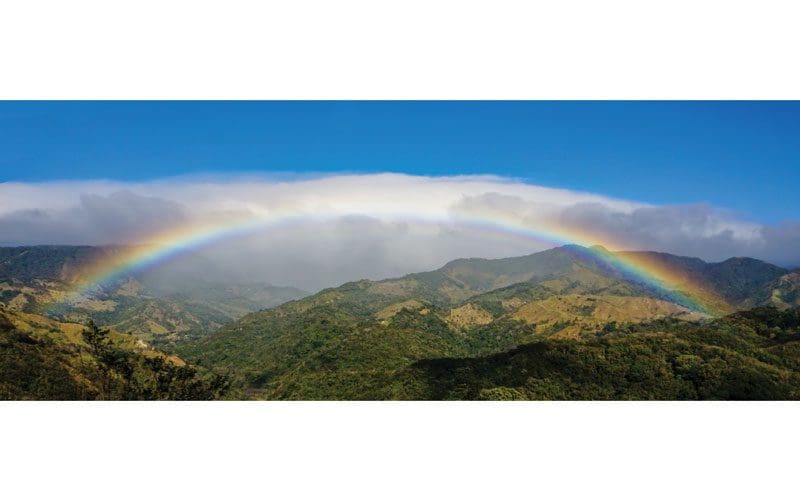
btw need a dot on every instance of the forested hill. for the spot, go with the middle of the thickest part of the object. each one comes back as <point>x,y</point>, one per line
<point>42,359</point>
<point>563,323</point>
<point>343,342</point>
<point>751,355</point>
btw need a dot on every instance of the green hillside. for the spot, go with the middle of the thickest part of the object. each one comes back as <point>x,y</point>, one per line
<point>41,359</point>
<point>415,355</point>
<point>563,323</point>
<point>753,355</point>
<point>783,292</point>
<point>356,340</point>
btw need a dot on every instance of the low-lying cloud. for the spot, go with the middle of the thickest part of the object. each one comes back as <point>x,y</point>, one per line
<point>372,226</point>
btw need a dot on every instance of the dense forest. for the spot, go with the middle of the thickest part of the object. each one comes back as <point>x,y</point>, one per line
<point>749,355</point>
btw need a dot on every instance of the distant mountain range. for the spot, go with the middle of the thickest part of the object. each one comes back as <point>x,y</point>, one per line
<point>568,322</point>
<point>183,299</point>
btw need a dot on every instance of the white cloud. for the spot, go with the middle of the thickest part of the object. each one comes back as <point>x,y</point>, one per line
<point>371,225</point>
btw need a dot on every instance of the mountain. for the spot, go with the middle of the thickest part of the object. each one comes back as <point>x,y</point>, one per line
<point>42,359</point>
<point>736,279</point>
<point>752,355</point>
<point>783,292</point>
<point>354,341</point>
<point>565,268</point>
<point>184,299</point>
<point>569,322</point>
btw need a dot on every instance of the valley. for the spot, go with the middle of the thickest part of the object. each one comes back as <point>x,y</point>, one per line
<point>180,302</point>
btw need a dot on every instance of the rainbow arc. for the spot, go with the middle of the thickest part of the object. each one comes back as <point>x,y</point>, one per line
<point>171,244</point>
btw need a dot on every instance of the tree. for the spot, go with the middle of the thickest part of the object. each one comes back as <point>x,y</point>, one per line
<point>97,340</point>
<point>95,337</point>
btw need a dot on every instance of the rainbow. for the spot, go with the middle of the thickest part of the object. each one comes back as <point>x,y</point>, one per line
<point>171,244</point>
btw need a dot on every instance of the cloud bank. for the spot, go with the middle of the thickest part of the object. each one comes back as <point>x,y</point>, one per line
<point>372,226</point>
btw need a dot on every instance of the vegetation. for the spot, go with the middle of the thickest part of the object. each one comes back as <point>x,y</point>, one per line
<point>416,355</point>
<point>162,308</point>
<point>45,360</point>
<point>751,355</point>
<point>559,324</point>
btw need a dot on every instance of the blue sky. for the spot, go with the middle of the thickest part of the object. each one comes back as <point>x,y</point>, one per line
<point>744,156</point>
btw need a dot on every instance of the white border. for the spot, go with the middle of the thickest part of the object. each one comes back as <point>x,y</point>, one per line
<point>401,50</point>
<point>462,450</point>
<point>415,49</point>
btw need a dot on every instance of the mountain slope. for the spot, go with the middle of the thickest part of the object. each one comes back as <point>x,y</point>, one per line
<point>575,269</point>
<point>357,336</point>
<point>183,299</point>
<point>736,279</point>
<point>42,359</point>
<point>753,355</point>
<point>569,321</point>
<point>783,292</point>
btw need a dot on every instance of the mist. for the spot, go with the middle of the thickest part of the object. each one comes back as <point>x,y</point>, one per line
<point>349,227</point>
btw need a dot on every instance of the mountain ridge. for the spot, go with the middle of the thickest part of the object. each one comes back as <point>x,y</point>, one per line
<point>468,307</point>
